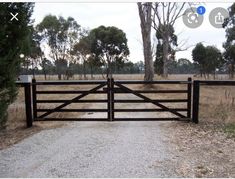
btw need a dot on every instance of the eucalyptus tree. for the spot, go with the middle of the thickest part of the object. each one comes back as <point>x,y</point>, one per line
<point>145,14</point>
<point>165,15</point>
<point>60,35</point>
<point>108,44</point>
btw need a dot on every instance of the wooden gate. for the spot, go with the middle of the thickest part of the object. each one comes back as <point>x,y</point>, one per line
<point>109,90</point>
<point>159,105</point>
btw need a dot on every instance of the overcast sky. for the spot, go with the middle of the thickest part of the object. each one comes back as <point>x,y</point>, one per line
<point>125,16</point>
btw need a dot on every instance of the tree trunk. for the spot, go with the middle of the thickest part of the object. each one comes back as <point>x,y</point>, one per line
<point>165,55</point>
<point>145,23</point>
<point>232,70</point>
<point>91,71</point>
<point>45,75</point>
<point>84,69</point>
<point>59,76</point>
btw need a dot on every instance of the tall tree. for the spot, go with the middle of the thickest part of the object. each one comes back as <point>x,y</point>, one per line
<point>208,58</point>
<point>145,12</point>
<point>198,54</point>
<point>33,54</point>
<point>213,60</point>
<point>46,66</point>
<point>229,45</point>
<point>13,35</point>
<point>60,35</point>
<point>83,50</point>
<point>108,44</point>
<point>164,18</point>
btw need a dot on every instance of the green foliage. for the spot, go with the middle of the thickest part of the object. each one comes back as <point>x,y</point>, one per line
<point>182,66</point>
<point>229,45</point>
<point>61,35</point>
<point>158,63</point>
<point>32,52</point>
<point>14,37</point>
<point>109,44</point>
<point>209,59</point>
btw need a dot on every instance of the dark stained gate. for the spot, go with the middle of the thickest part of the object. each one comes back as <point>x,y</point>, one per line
<point>119,87</point>
<point>109,90</point>
<point>96,87</point>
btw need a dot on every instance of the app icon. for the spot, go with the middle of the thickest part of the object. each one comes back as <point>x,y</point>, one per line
<point>191,18</point>
<point>217,17</point>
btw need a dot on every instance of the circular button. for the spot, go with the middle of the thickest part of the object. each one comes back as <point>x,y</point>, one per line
<point>192,19</point>
<point>201,10</point>
<point>217,17</point>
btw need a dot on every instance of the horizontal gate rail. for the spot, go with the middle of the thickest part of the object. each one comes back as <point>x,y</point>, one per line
<point>79,101</point>
<point>70,82</point>
<point>217,82</point>
<point>145,101</point>
<point>72,110</point>
<point>119,90</point>
<point>70,92</point>
<point>153,82</point>
<point>70,119</point>
<point>154,119</point>
<point>148,110</point>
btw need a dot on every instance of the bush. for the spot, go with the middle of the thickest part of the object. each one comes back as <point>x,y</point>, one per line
<point>13,41</point>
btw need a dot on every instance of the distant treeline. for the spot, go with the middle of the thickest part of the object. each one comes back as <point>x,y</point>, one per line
<point>181,66</point>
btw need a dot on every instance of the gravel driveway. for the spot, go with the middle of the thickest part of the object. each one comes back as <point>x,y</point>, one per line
<point>91,149</point>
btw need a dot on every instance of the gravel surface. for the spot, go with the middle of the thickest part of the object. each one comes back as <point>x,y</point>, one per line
<point>91,149</point>
<point>122,149</point>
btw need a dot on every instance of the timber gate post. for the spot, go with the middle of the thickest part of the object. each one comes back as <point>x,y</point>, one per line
<point>34,98</point>
<point>112,99</point>
<point>28,104</point>
<point>189,96</point>
<point>196,96</point>
<point>109,98</point>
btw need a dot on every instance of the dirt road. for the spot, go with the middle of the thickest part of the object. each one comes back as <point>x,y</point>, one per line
<point>121,149</point>
<point>92,149</point>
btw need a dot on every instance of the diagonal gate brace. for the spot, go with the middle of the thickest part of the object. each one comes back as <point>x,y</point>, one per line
<point>149,100</point>
<point>73,100</point>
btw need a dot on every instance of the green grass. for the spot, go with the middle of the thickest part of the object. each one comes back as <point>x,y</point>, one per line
<point>230,129</point>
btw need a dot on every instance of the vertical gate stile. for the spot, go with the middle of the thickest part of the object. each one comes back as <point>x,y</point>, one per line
<point>108,98</point>
<point>189,96</point>
<point>196,95</point>
<point>34,87</point>
<point>112,99</point>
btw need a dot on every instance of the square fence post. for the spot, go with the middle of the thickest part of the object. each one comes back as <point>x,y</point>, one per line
<point>34,88</point>
<point>109,98</point>
<point>28,104</point>
<point>112,99</point>
<point>189,96</point>
<point>196,96</point>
